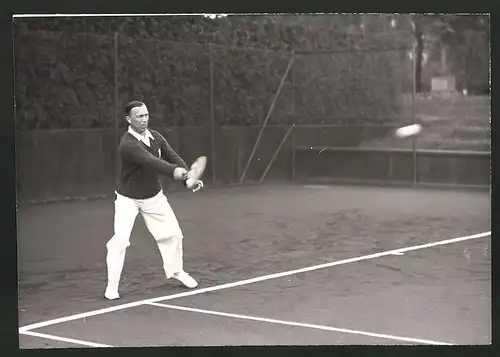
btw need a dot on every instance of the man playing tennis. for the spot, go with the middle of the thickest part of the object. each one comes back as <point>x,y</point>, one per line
<point>144,155</point>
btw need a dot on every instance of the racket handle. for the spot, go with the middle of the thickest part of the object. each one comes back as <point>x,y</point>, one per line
<point>190,182</point>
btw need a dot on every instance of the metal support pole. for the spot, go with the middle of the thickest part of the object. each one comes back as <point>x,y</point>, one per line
<point>391,167</point>
<point>275,155</point>
<point>294,151</point>
<point>266,119</point>
<point>212,112</point>
<point>413,95</point>
<point>294,135</point>
<point>116,99</point>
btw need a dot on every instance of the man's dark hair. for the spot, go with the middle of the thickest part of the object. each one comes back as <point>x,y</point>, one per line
<point>131,105</point>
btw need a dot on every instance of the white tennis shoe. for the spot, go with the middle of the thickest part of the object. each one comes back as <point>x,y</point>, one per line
<point>185,279</point>
<point>111,294</point>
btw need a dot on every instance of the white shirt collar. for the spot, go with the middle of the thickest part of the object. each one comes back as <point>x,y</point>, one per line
<point>144,139</point>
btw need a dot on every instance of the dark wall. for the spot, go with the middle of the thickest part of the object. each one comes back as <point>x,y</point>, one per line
<point>53,165</point>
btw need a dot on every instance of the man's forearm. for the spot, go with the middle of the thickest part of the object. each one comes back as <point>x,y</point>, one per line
<point>171,156</point>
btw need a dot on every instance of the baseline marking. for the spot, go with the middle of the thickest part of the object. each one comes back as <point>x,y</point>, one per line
<point>63,339</point>
<point>247,281</point>
<point>300,324</point>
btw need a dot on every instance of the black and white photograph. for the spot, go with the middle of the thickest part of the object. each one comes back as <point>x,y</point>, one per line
<point>253,179</point>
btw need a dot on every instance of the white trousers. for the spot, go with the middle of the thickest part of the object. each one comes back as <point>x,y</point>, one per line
<point>161,223</point>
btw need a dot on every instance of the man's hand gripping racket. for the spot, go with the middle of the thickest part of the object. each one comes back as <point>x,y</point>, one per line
<point>195,173</point>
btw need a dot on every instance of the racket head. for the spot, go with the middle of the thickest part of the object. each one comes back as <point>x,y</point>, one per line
<point>198,168</point>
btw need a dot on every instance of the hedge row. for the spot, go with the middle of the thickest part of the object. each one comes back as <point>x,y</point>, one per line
<point>67,79</point>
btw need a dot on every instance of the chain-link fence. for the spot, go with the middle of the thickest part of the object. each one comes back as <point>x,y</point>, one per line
<point>233,104</point>
<point>172,78</point>
<point>362,87</point>
<point>245,81</point>
<point>77,81</point>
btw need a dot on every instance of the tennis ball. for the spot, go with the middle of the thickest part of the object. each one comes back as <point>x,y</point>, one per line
<point>410,130</point>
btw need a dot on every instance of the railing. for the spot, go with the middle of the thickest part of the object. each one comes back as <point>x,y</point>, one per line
<point>465,169</point>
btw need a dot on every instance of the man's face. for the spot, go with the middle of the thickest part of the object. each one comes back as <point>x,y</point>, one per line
<point>138,119</point>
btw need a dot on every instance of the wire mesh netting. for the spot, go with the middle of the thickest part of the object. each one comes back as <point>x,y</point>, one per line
<point>221,96</point>
<point>358,87</point>
<point>171,78</point>
<point>245,83</point>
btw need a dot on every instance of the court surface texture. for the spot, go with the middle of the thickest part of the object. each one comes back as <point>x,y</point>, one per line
<point>276,265</point>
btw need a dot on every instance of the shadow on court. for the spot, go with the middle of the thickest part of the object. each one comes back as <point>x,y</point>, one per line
<point>440,294</point>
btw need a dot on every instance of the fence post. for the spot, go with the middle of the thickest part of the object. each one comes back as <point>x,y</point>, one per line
<point>212,114</point>
<point>116,104</point>
<point>413,109</point>
<point>276,152</point>
<point>391,167</point>
<point>278,91</point>
<point>293,124</point>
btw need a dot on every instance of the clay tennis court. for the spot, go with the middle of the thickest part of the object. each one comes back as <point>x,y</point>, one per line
<point>361,265</point>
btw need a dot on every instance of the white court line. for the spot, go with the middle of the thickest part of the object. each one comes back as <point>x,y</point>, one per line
<point>300,324</point>
<point>246,282</point>
<point>64,339</point>
<point>108,15</point>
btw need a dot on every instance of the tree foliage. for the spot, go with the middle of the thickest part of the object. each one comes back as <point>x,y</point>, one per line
<point>465,39</point>
<point>63,81</point>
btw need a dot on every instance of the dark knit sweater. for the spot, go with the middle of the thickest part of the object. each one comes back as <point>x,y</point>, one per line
<point>141,165</point>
